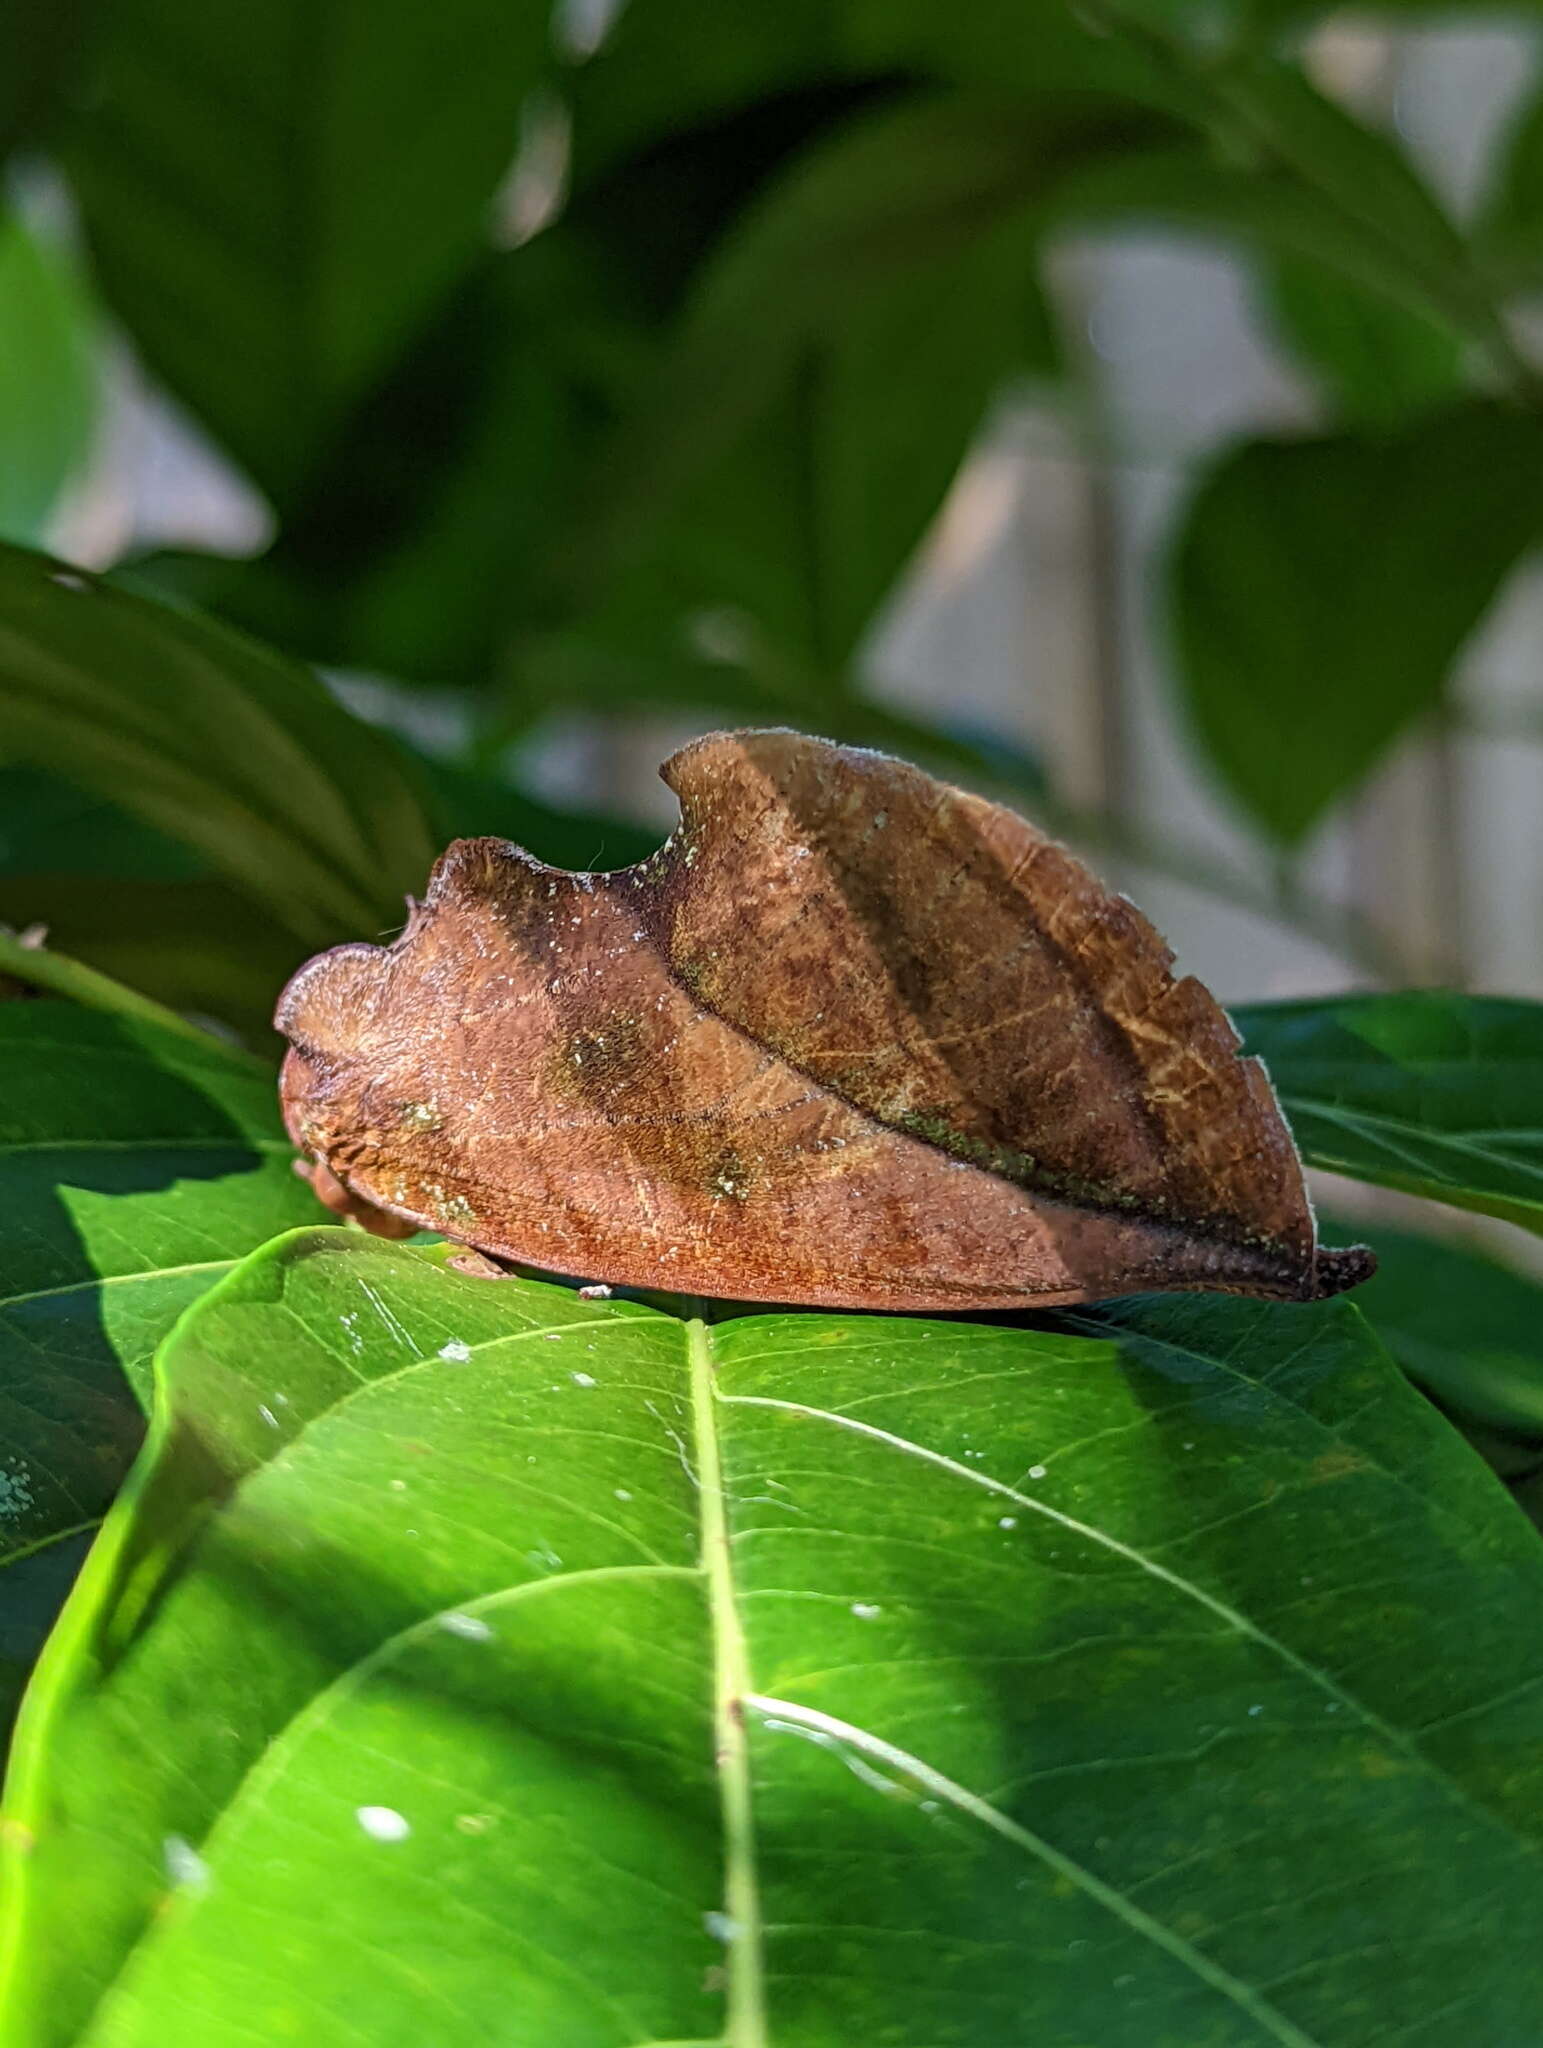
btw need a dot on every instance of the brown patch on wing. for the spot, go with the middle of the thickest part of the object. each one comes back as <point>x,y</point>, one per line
<point>852,1038</point>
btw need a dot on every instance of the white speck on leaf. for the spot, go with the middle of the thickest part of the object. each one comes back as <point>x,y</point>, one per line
<point>183,1863</point>
<point>1038,1471</point>
<point>383,1823</point>
<point>621,1493</point>
<point>583,1379</point>
<point>455,1351</point>
<point>722,1926</point>
<point>471,1627</point>
<point>866,1610</point>
<point>267,1415</point>
<point>1007,1522</point>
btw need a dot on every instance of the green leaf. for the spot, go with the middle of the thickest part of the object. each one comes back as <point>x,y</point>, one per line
<point>275,201</point>
<point>1469,1329</point>
<point>1509,230</point>
<point>42,47</point>
<point>47,380</point>
<point>1321,591</point>
<point>853,260</point>
<point>137,905</point>
<point>1379,363</point>
<point>805,525</point>
<point>210,738</point>
<point>1441,1095</point>
<point>135,1169</point>
<point>635,93</point>
<point>471,806</point>
<point>1065,1688</point>
<point>51,826</point>
<point>198,947</point>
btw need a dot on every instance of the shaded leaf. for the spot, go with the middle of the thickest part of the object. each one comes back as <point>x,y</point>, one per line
<point>1378,362</point>
<point>200,947</point>
<point>47,380</point>
<point>51,826</point>
<point>135,1168</point>
<point>1509,230</point>
<point>852,1037</point>
<point>803,527</point>
<point>470,805</point>
<point>43,45</point>
<point>1466,1327</point>
<point>635,92</point>
<point>1321,591</point>
<point>210,738</point>
<point>1441,1095</point>
<point>1189,1656</point>
<point>885,210</point>
<point>275,201</point>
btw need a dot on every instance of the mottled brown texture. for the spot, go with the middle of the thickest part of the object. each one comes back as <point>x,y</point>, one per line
<point>852,1038</point>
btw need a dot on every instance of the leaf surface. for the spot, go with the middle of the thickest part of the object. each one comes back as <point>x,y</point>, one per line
<point>47,379</point>
<point>213,739</point>
<point>1321,591</point>
<point>1441,1095</point>
<point>135,1169</point>
<point>275,201</point>
<point>1171,1682</point>
<point>1465,1327</point>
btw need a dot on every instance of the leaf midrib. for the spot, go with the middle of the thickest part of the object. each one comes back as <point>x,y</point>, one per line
<point>745,2020</point>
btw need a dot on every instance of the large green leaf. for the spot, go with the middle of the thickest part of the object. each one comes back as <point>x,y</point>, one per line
<point>213,739</point>
<point>1321,591</point>
<point>47,380</point>
<point>1438,1094</point>
<point>135,1168</point>
<point>275,198</point>
<point>1175,1682</point>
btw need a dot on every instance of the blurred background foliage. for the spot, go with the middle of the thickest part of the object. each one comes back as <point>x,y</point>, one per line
<point>531,388</point>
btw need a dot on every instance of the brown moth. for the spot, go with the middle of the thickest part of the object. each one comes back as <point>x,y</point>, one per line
<point>852,1038</point>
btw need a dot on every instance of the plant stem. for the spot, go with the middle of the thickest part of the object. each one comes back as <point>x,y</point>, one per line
<point>59,975</point>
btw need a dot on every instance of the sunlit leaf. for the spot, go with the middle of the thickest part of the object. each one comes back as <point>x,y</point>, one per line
<point>1175,1679</point>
